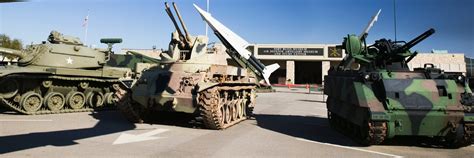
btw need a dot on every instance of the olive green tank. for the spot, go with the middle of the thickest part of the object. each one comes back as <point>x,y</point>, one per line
<point>58,76</point>
<point>190,78</point>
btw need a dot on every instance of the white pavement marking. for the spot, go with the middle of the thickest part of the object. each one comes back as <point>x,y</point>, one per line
<point>23,120</point>
<point>129,138</point>
<point>345,147</point>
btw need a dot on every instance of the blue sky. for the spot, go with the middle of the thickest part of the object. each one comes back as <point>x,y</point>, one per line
<point>144,23</point>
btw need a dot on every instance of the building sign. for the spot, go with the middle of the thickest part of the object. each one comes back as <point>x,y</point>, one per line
<point>334,52</point>
<point>291,51</point>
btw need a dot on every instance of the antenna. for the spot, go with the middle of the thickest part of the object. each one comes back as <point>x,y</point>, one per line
<point>395,19</point>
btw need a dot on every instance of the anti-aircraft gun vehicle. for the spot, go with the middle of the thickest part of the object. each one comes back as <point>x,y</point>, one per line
<point>190,79</point>
<point>382,98</point>
<point>58,76</point>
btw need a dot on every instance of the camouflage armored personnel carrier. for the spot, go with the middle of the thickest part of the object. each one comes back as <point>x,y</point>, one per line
<point>190,79</point>
<point>373,95</point>
<point>60,76</point>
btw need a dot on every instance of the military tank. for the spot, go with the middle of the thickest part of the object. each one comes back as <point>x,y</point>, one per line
<point>190,79</point>
<point>373,95</point>
<point>58,76</point>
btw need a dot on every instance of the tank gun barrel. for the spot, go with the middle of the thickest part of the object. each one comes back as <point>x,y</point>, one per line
<point>416,40</point>
<point>12,52</point>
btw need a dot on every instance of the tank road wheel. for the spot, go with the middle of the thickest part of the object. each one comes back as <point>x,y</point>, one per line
<point>75,100</point>
<point>109,98</point>
<point>95,99</point>
<point>228,114</point>
<point>222,112</point>
<point>54,101</point>
<point>9,88</point>
<point>84,85</point>
<point>235,112</point>
<point>239,107</point>
<point>31,101</point>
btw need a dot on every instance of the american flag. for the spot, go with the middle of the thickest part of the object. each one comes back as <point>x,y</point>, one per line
<point>85,21</point>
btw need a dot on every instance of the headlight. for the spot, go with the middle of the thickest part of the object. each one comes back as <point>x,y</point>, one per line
<point>367,77</point>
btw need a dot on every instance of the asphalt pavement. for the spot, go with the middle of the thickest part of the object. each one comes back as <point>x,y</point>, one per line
<point>287,123</point>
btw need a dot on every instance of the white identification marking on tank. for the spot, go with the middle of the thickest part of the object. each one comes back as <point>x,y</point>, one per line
<point>69,60</point>
<point>23,120</point>
<point>345,147</point>
<point>125,138</point>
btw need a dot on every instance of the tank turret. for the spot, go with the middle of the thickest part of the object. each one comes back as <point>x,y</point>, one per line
<point>63,51</point>
<point>382,54</point>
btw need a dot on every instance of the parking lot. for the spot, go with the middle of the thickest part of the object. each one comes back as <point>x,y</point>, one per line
<point>287,123</point>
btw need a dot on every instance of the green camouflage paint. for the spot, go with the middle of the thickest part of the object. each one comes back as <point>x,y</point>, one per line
<point>423,102</point>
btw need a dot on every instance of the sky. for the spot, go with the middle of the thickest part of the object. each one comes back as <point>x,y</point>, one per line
<point>143,23</point>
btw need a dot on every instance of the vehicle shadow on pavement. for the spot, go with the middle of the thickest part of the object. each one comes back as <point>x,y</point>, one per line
<point>318,129</point>
<point>174,119</point>
<point>109,122</point>
<point>416,141</point>
<point>306,127</point>
<point>314,101</point>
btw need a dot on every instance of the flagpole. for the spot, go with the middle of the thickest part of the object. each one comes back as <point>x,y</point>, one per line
<point>86,25</point>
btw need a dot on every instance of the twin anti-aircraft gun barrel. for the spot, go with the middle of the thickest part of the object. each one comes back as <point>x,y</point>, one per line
<point>186,37</point>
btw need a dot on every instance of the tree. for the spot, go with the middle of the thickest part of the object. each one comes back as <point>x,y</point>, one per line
<point>16,44</point>
<point>6,42</point>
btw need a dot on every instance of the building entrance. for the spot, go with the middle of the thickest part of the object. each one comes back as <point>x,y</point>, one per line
<point>308,72</point>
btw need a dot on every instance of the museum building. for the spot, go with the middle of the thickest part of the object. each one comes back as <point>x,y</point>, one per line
<point>309,63</point>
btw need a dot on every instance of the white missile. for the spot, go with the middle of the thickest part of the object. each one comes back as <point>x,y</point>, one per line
<point>370,25</point>
<point>237,43</point>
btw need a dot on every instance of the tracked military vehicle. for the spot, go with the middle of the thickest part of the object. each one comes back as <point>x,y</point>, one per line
<point>373,95</point>
<point>191,79</point>
<point>58,76</point>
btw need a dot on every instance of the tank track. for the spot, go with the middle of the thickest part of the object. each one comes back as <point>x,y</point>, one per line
<point>125,104</point>
<point>14,103</point>
<point>219,107</point>
<point>460,139</point>
<point>469,133</point>
<point>223,106</point>
<point>371,133</point>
